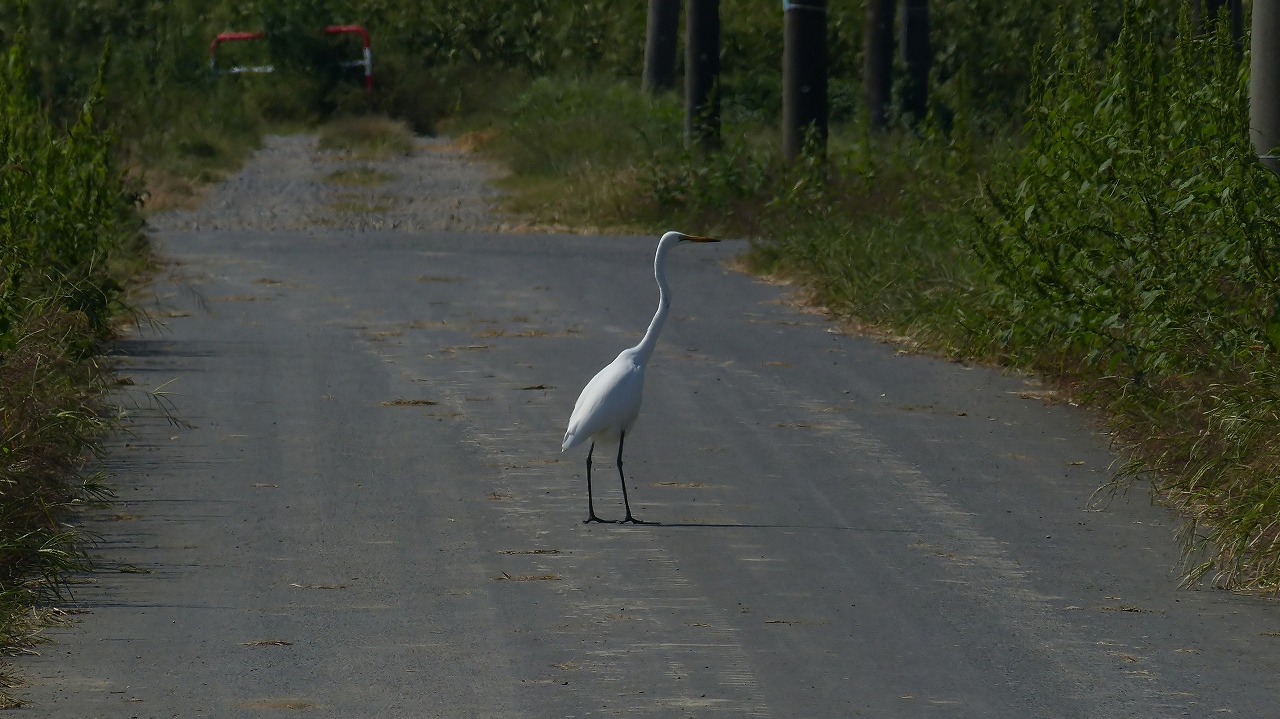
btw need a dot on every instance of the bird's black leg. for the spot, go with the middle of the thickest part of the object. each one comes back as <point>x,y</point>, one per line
<point>591,509</point>
<point>627,504</point>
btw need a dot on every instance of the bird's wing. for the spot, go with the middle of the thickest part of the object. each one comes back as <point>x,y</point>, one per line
<point>611,398</point>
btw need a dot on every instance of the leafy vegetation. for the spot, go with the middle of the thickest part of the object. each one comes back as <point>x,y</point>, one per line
<point>1136,242</point>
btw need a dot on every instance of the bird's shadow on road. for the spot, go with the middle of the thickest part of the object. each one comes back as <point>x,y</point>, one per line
<point>727,525</point>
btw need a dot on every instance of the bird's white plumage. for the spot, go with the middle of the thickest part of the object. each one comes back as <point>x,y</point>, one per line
<point>609,404</point>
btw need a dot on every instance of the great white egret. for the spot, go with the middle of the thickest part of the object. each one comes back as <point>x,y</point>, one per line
<point>610,403</point>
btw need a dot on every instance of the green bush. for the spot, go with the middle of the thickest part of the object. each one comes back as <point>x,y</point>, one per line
<point>1138,230</point>
<point>1137,240</point>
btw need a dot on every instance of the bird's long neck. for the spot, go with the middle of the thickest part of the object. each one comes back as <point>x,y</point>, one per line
<point>644,350</point>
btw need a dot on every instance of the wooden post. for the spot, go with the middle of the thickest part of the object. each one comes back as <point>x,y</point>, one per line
<point>917,55</point>
<point>1264,82</point>
<point>804,75</point>
<point>877,62</point>
<point>660,45</point>
<point>702,73</point>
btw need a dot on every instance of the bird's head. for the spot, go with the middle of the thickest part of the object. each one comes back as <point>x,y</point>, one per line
<point>682,237</point>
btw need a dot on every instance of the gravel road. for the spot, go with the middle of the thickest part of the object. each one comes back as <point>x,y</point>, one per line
<point>291,185</point>
<point>366,513</point>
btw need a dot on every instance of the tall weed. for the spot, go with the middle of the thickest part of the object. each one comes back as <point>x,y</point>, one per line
<point>66,214</point>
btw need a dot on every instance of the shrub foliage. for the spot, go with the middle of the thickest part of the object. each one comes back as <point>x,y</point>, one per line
<point>1137,229</point>
<point>1136,240</point>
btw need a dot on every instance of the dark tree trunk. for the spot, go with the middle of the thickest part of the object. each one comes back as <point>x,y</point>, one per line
<point>660,45</point>
<point>877,64</point>
<point>917,55</point>
<point>804,76</point>
<point>702,73</point>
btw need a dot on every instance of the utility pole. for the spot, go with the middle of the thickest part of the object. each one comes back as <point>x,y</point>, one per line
<point>877,62</point>
<point>702,73</point>
<point>1264,82</point>
<point>660,45</point>
<point>804,75</point>
<point>917,55</point>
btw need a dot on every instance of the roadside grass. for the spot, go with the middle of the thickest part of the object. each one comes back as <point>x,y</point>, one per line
<point>185,140</point>
<point>70,244</point>
<point>50,404</point>
<point>1132,246</point>
<point>575,146</point>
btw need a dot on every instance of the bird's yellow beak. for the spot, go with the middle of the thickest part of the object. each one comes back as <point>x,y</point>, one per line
<point>700,238</point>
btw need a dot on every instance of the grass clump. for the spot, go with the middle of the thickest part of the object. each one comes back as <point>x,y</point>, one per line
<point>370,137</point>
<point>575,145</point>
<point>360,204</point>
<point>360,177</point>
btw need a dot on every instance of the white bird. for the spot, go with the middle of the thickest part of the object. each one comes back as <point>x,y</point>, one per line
<point>610,403</point>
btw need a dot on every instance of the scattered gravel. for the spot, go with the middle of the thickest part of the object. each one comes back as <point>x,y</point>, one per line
<point>290,185</point>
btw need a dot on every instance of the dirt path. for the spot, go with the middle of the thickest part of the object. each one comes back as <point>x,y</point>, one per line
<point>290,184</point>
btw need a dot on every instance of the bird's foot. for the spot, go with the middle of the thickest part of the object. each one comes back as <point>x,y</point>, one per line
<point>594,518</point>
<point>632,520</point>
